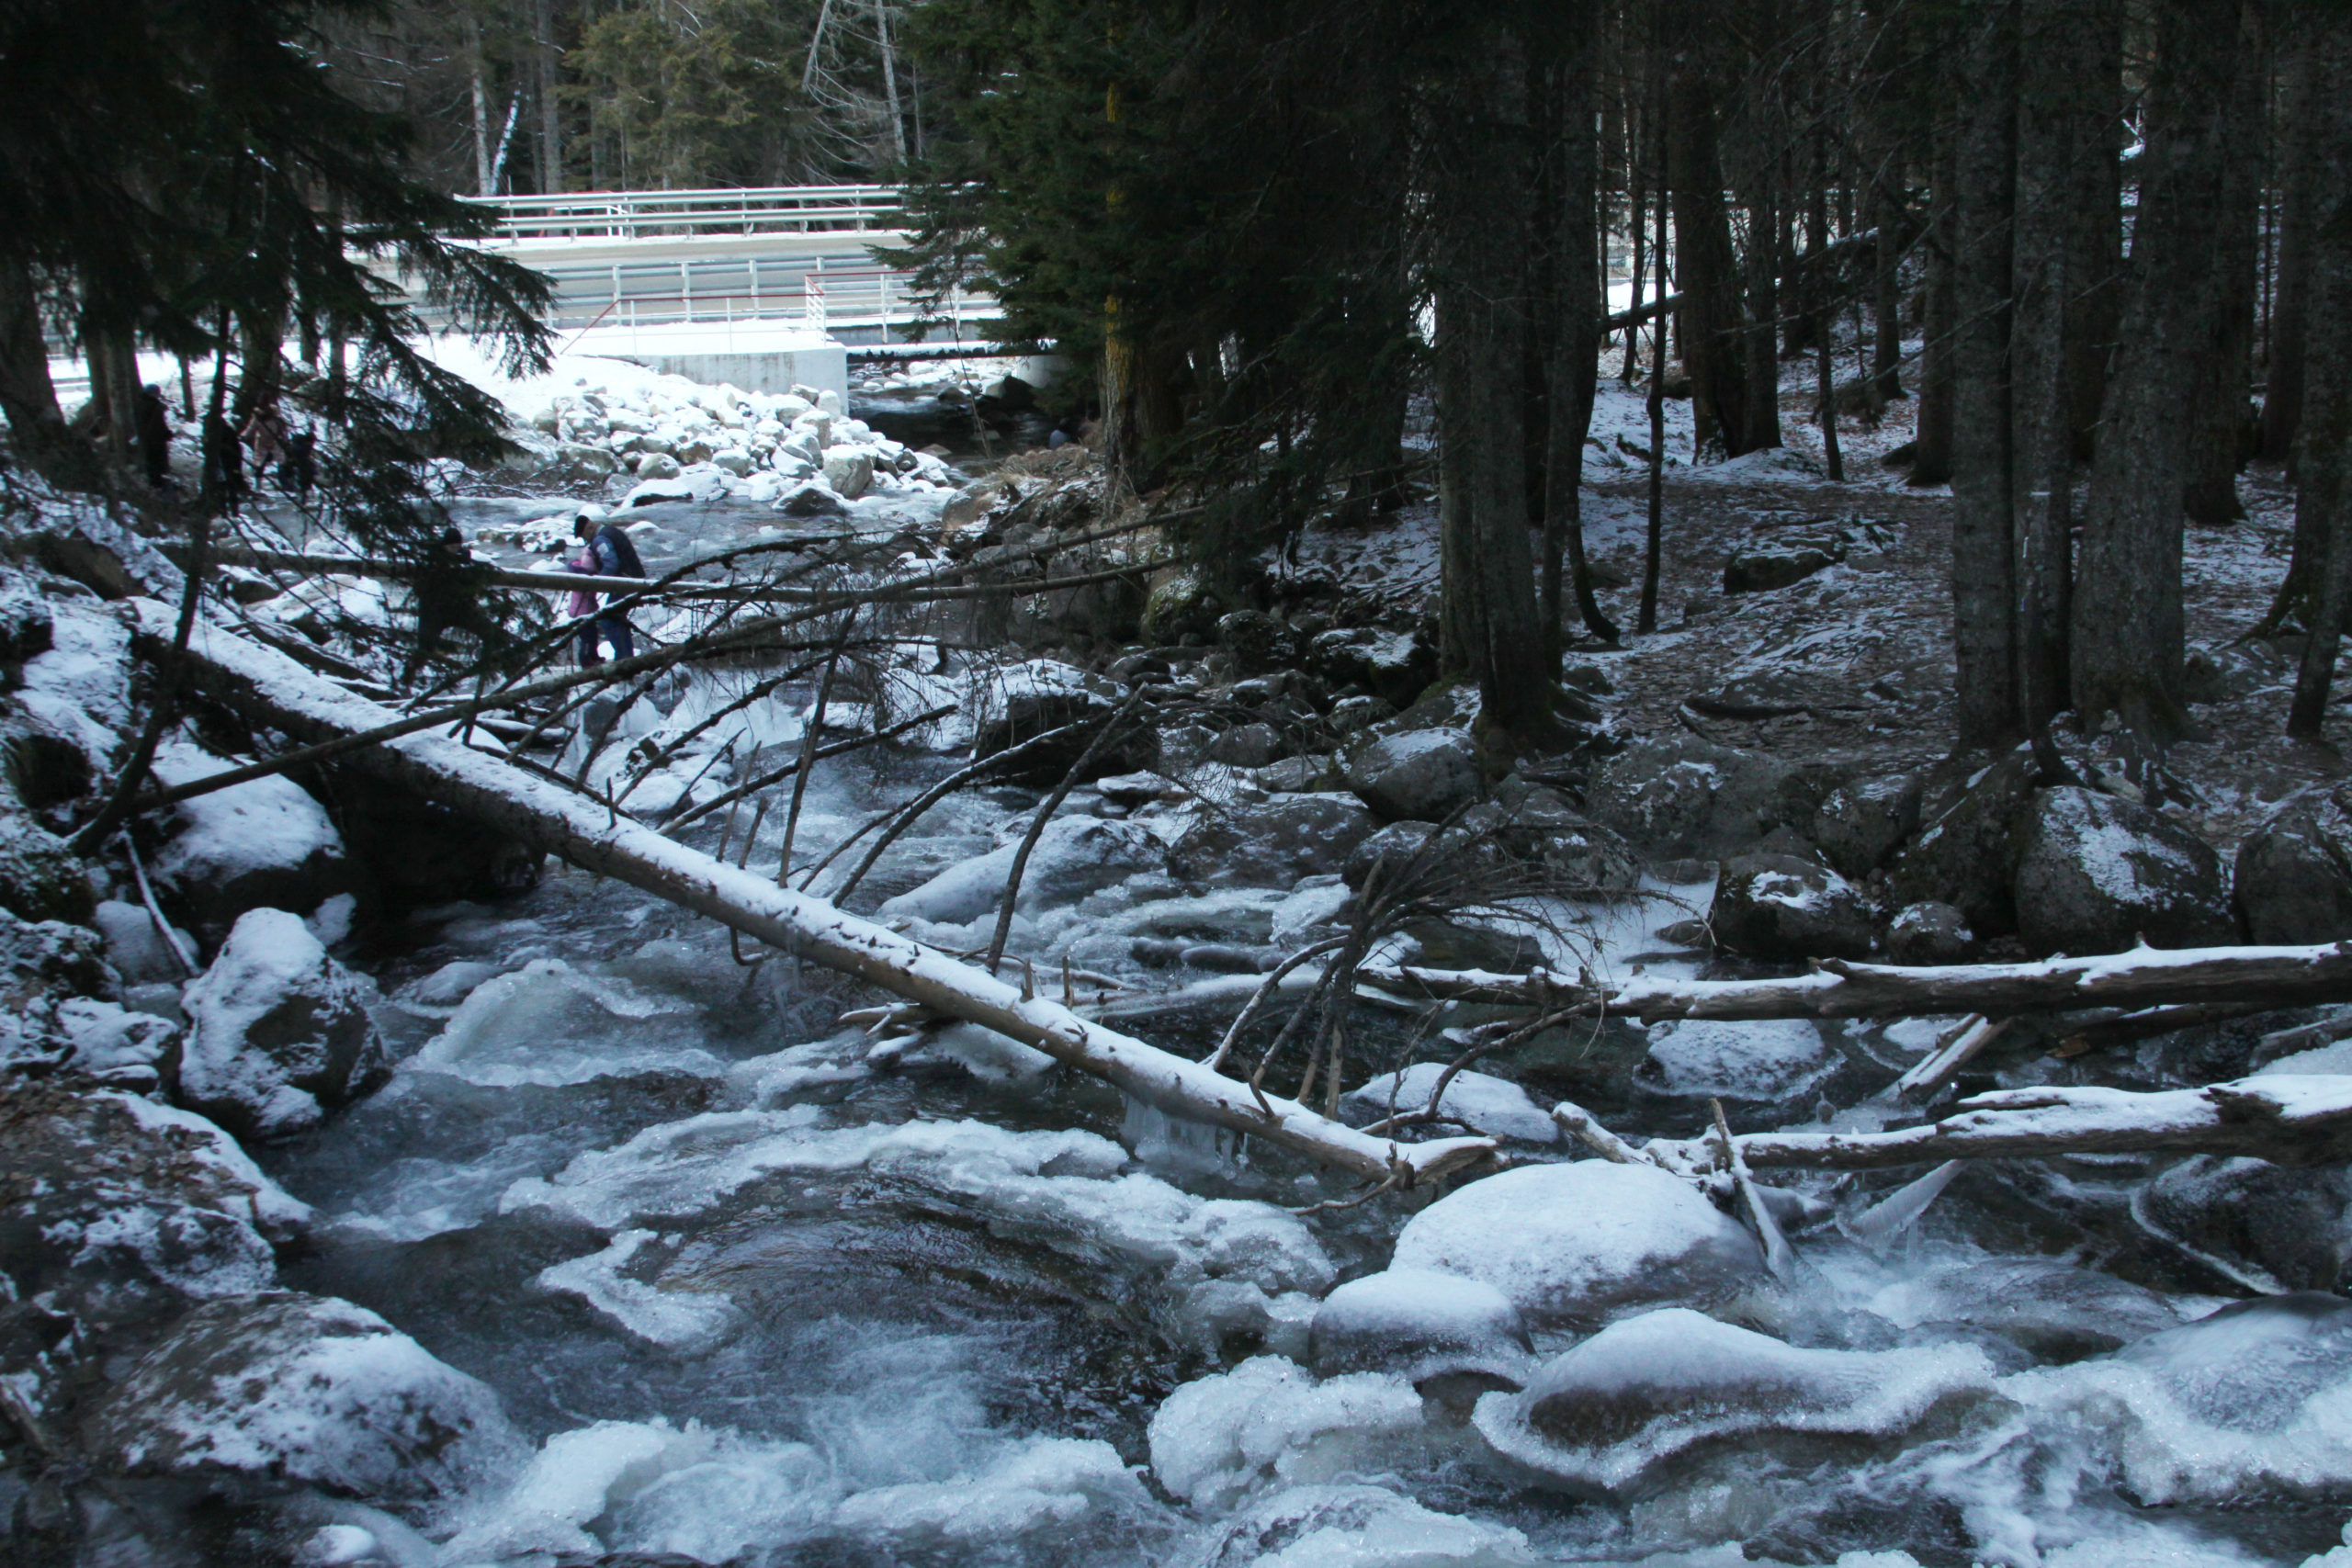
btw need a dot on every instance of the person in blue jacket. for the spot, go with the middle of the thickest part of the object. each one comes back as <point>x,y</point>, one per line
<point>614,555</point>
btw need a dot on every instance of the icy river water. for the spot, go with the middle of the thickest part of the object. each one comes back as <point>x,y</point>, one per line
<point>749,1291</point>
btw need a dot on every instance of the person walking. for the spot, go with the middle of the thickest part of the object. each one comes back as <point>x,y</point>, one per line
<point>608,552</point>
<point>153,424</point>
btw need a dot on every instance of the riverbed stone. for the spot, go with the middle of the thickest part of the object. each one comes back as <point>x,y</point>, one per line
<point>1930,933</point>
<point>1780,906</point>
<point>1683,796</point>
<point>2098,875</point>
<point>2263,1226</point>
<point>1966,850</point>
<point>1860,825</point>
<point>279,1032</point>
<point>249,1392</point>
<point>1422,1324</point>
<point>41,878</point>
<point>1577,1244</point>
<point>1421,776</point>
<point>262,844</point>
<point>2293,877</point>
<point>1275,843</point>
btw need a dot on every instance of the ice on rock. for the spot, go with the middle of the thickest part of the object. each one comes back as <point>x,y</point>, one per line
<point>1360,1527</point>
<point>1603,1417</point>
<point>1074,856</point>
<point>680,1319</point>
<point>2255,1398</point>
<point>1049,1483</point>
<point>1581,1243</point>
<point>576,1478</point>
<point>280,1386</point>
<point>2055,1311</point>
<point>1767,1060</point>
<point>549,1022</point>
<point>1480,1101</point>
<point>1219,1438</point>
<point>1421,1325</point>
<point>1061,1188</point>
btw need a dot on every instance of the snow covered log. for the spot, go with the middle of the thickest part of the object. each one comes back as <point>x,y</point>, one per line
<point>2145,976</point>
<point>269,688</point>
<point>2286,1120</point>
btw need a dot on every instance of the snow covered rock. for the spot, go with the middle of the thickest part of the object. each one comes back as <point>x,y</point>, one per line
<point>1761,568</point>
<point>1358,1527</point>
<point>278,1032</point>
<point>2267,1227</point>
<point>1049,1483</point>
<point>1862,821</point>
<point>415,851</point>
<point>2097,874</point>
<point>1421,1325</point>
<point>809,498</point>
<point>1217,1439</point>
<point>1274,842</point>
<point>126,1050</point>
<point>1422,775</point>
<point>849,474</point>
<point>1682,795</point>
<point>1074,856</point>
<point>41,879</point>
<point>1478,1101</point>
<point>1389,852</point>
<point>136,949</point>
<point>260,844</point>
<point>657,468</point>
<point>1966,848</point>
<point>1536,823</point>
<point>2250,1400</point>
<point>1930,933</point>
<point>122,1213</point>
<point>1393,666</point>
<point>277,1387</point>
<point>1606,1417</point>
<point>43,967</point>
<point>1026,700</point>
<point>2293,880</point>
<point>1580,1243</point>
<point>1776,906</point>
<point>1758,1062</point>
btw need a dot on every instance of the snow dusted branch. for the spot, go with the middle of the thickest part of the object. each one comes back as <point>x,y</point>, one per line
<point>2287,1120</point>
<point>271,688</point>
<point>2145,976</point>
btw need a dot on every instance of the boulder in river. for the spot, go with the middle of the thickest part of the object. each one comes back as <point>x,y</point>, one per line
<point>1776,906</point>
<point>1041,694</point>
<point>1580,1243</point>
<point>1275,843</point>
<point>251,1392</point>
<point>41,879</point>
<point>2293,880</point>
<point>279,1032</point>
<point>1074,856</point>
<point>1683,796</point>
<point>44,967</point>
<point>1421,1325</point>
<point>1421,776</point>
<point>1930,933</point>
<point>1360,1527</point>
<point>414,851</point>
<point>2259,1227</point>
<point>1863,820</point>
<point>1607,1416</point>
<point>1768,1060</point>
<point>1966,849</point>
<point>2098,875</point>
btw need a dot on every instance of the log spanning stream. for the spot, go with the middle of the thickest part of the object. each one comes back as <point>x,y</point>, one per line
<point>755,1286</point>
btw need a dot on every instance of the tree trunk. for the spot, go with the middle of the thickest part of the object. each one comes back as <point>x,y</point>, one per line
<point>1886,292</point>
<point>1578,250</point>
<point>26,395</point>
<point>1708,327</point>
<point>1932,448</point>
<point>2128,613</point>
<point>1479,148</point>
<point>547,59</point>
<point>2324,458</point>
<point>2217,441</point>
<point>2310,99</point>
<point>2095,238</point>
<point>1983,593</point>
<point>485,181</point>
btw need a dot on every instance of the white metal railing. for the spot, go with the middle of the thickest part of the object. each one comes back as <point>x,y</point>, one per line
<point>650,214</point>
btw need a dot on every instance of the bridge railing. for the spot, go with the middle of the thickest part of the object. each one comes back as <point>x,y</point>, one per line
<point>651,214</point>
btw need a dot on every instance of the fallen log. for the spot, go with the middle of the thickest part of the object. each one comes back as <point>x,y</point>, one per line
<point>269,688</point>
<point>2286,1120</point>
<point>2145,976</point>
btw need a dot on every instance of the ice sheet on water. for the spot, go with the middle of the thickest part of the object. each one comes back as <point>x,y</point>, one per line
<point>680,1319</point>
<point>1046,1483</point>
<point>549,1022</point>
<point>1217,1439</point>
<point>2255,1398</point>
<point>1481,1102</point>
<point>1358,1527</point>
<point>1603,1416</point>
<point>1062,1188</point>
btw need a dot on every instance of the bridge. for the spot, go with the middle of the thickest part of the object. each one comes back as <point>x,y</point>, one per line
<point>645,263</point>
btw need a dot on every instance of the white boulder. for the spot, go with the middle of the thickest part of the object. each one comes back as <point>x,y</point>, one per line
<point>278,1032</point>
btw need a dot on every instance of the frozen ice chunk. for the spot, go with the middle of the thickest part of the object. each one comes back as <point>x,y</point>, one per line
<point>2256,1397</point>
<point>1051,1482</point>
<point>1580,1243</point>
<point>1074,856</point>
<point>1422,1324</point>
<point>2053,1310</point>
<point>1604,1416</point>
<point>1482,1102</point>
<point>1767,1060</point>
<point>1359,1527</point>
<point>1218,1438</point>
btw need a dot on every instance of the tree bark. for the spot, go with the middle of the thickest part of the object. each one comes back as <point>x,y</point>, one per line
<point>1983,593</point>
<point>2129,625</point>
<point>1481,168</point>
<point>2095,238</point>
<point>2308,100</point>
<point>1579,248</point>
<point>1931,456</point>
<point>1708,327</point>
<point>2217,439</point>
<point>2324,456</point>
<point>547,59</point>
<point>272,690</point>
<point>28,397</point>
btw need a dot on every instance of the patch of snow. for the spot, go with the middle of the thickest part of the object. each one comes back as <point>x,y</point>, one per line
<point>1268,1421</point>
